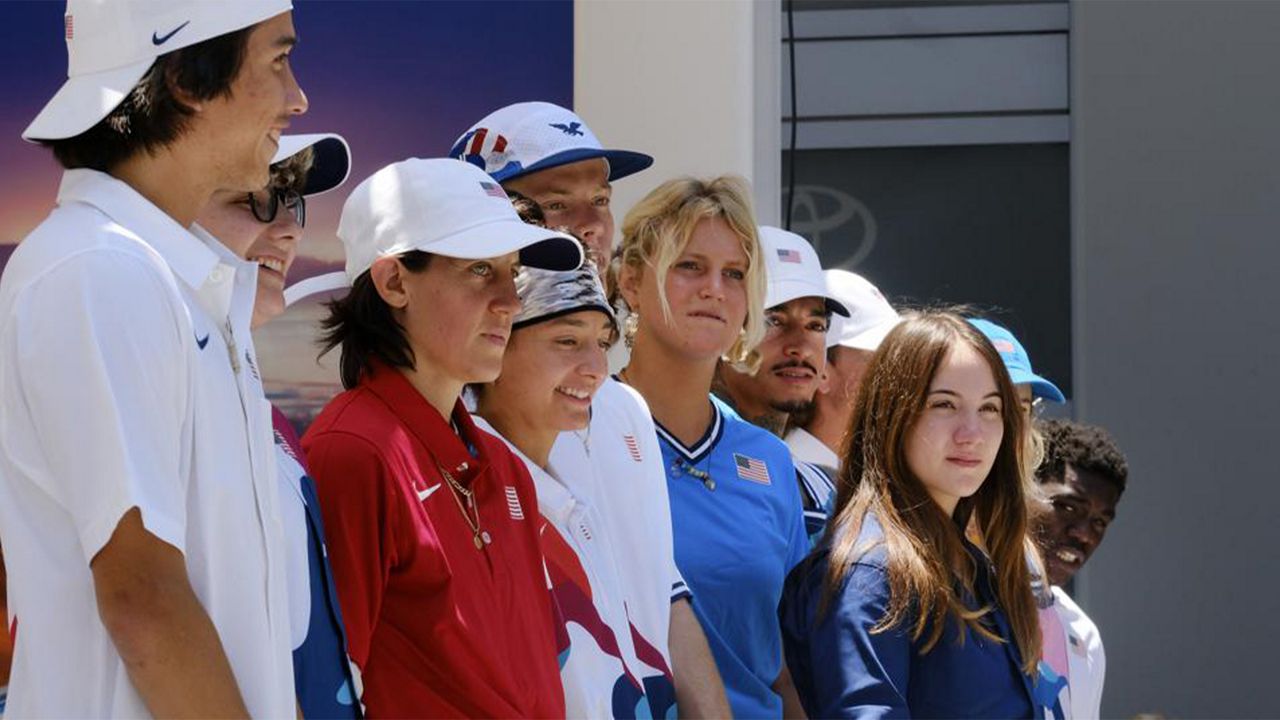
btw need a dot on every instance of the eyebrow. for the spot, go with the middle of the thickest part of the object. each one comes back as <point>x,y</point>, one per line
<point>563,191</point>
<point>286,41</point>
<point>953,393</point>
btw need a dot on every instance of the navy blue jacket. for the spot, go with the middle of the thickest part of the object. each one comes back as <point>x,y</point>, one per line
<point>841,669</point>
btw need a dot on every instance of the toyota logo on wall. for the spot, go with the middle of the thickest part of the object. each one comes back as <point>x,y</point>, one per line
<point>840,226</point>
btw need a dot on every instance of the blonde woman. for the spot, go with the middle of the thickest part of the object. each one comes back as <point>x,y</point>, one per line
<point>692,276</point>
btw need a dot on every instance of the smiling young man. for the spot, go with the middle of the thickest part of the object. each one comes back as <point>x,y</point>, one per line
<point>1081,480</point>
<point>137,494</point>
<point>792,357</point>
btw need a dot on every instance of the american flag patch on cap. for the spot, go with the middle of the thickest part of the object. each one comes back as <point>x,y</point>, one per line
<point>513,504</point>
<point>493,190</point>
<point>788,256</point>
<point>633,447</point>
<point>751,469</point>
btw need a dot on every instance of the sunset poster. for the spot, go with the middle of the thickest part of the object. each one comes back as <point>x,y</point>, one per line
<point>396,79</point>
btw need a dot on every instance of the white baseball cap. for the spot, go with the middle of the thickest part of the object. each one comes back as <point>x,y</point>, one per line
<point>793,271</point>
<point>530,136</point>
<point>871,317</point>
<point>441,206</point>
<point>331,164</point>
<point>112,43</point>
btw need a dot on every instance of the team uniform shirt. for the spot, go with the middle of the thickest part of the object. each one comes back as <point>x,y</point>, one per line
<point>130,382</point>
<point>609,537</point>
<point>843,669</point>
<point>1074,663</point>
<point>439,622</point>
<point>613,659</point>
<point>739,528</point>
<point>322,675</point>
<point>817,495</point>
<point>807,448</point>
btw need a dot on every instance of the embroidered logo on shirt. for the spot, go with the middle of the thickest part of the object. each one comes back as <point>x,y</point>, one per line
<point>202,341</point>
<point>633,447</point>
<point>752,469</point>
<point>424,494</point>
<point>513,504</point>
<point>493,190</point>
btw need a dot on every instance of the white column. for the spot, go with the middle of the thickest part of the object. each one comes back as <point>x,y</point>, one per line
<point>693,83</point>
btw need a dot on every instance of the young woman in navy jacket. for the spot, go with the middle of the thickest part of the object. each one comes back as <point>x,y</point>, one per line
<point>897,614</point>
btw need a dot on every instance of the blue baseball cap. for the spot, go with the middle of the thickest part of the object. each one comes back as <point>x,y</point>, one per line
<point>1016,360</point>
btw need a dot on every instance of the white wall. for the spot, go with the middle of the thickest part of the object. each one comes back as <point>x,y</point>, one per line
<point>1176,203</point>
<point>693,83</point>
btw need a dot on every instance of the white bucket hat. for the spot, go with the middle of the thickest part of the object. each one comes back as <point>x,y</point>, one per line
<point>441,206</point>
<point>871,317</point>
<point>793,270</point>
<point>112,43</point>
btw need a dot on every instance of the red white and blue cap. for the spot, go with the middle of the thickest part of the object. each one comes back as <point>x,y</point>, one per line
<point>530,136</point>
<point>792,270</point>
<point>331,162</point>
<point>112,43</point>
<point>440,206</point>
<point>1017,361</point>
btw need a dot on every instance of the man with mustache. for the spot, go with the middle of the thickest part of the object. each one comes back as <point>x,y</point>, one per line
<point>1081,479</point>
<point>792,357</point>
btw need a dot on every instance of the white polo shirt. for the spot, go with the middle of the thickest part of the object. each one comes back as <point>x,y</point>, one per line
<point>610,557</point>
<point>129,381</point>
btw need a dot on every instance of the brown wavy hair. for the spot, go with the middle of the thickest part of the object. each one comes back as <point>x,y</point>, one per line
<point>926,554</point>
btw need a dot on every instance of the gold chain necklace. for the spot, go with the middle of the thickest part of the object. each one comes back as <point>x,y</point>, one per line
<point>478,536</point>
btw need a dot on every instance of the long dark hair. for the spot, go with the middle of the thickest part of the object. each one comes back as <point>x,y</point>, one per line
<point>362,324</point>
<point>926,555</point>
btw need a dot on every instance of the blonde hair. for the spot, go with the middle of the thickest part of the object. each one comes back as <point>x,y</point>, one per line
<point>659,227</point>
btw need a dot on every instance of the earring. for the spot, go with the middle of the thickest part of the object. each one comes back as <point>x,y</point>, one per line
<point>629,328</point>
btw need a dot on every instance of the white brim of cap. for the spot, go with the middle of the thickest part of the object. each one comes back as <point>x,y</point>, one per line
<point>315,285</point>
<point>554,250</point>
<point>784,291</point>
<point>868,339</point>
<point>84,100</point>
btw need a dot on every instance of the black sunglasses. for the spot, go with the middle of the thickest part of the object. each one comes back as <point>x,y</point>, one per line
<point>292,201</point>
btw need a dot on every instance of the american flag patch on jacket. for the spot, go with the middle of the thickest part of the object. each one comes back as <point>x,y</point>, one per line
<point>633,447</point>
<point>751,469</point>
<point>513,504</point>
<point>493,190</point>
